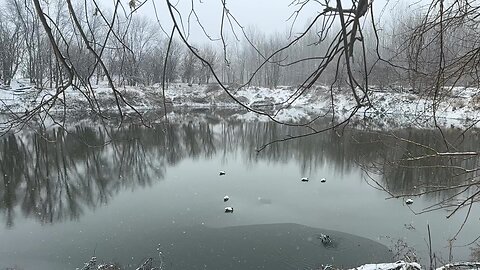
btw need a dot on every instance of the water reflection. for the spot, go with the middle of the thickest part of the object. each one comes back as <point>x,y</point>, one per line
<point>58,175</point>
<point>408,163</point>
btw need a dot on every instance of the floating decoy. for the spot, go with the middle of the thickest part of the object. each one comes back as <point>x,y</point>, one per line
<point>304,179</point>
<point>226,198</point>
<point>323,180</point>
<point>222,173</point>
<point>325,239</point>
<point>229,209</point>
<point>409,201</point>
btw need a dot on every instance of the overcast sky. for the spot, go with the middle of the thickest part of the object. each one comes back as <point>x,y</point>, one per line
<point>266,15</point>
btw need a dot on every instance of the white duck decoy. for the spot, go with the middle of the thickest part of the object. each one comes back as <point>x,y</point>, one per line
<point>226,198</point>
<point>325,239</point>
<point>408,201</point>
<point>221,173</point>
<point>304,179</point>
<point>229,209</point>
<point>323,180</point>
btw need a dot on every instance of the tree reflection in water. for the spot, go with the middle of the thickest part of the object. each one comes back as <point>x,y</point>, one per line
<point>56,175</point>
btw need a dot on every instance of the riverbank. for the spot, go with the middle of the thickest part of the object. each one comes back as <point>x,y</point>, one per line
<point>390,108</point>
<point>399,265</point>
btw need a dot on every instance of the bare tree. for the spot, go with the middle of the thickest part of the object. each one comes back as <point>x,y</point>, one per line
<point>11,49</point>
<point>210,55</point>
<point>189,67</point>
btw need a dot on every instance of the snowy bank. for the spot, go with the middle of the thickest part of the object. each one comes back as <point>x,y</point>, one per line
<point>460,108</point>
<point>399,265</point>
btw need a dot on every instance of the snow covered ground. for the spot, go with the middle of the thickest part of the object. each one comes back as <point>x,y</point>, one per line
<point>461,108</point>
<point>399,265</point>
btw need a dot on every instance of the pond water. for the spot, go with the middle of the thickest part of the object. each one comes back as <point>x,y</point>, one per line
<point>124,195</point>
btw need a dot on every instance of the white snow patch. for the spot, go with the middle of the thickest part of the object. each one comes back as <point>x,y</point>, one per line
<point>401,265</point>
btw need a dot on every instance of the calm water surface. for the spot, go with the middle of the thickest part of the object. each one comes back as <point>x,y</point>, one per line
<point>122,194</point>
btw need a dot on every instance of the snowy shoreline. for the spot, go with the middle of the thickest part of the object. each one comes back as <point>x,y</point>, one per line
<point>390,109</point>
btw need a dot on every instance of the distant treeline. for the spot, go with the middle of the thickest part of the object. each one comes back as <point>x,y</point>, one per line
<point>134,51</point>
